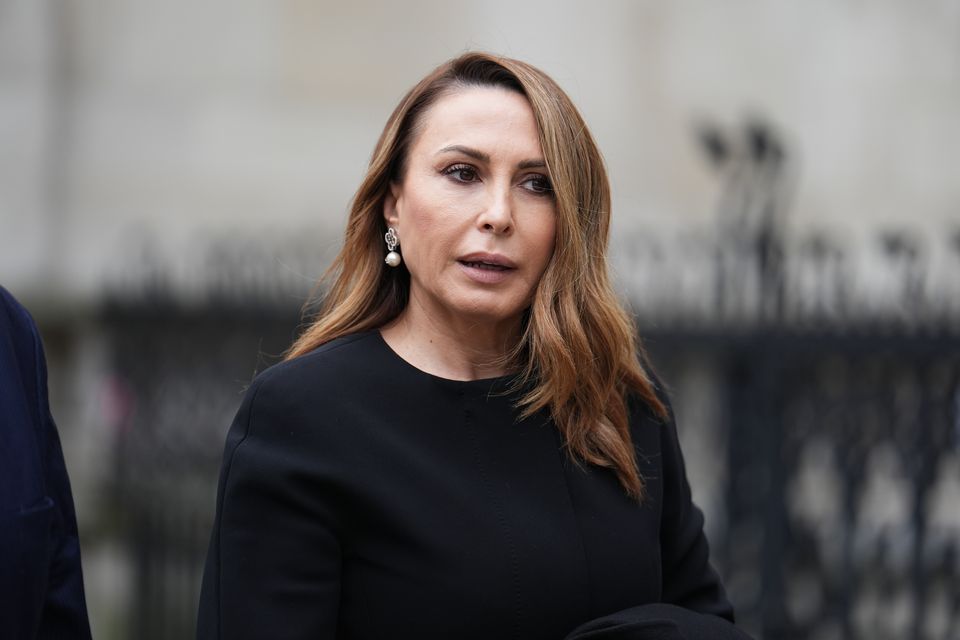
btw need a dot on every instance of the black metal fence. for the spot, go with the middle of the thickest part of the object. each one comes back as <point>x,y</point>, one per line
<point>178,379</point>
<point>841,500</point>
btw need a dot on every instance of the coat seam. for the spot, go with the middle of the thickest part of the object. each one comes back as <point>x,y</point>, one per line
<point>580,536</point>
<point>502,521</point>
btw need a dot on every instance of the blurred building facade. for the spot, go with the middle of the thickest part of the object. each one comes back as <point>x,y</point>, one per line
<point>175,176</point>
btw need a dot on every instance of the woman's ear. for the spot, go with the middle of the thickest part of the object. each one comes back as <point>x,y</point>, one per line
<point>390,205</point>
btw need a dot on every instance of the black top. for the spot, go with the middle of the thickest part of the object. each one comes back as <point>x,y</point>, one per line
<point>362,498</point>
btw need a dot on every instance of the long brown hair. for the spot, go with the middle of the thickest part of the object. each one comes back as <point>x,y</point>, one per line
<point>578,353</point>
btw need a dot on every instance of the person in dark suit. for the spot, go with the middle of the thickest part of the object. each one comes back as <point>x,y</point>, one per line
<point>41,584</point>
<point>467,442</point>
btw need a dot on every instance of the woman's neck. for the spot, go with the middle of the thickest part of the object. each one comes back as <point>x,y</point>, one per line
<point>452,348</point>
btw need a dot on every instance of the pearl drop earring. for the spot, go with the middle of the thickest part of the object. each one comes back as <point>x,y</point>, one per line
<point>393,258</point>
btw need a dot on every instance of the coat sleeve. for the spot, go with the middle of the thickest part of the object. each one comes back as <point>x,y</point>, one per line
<point>273,567</point>
<point>64,609</point>
<point>690,584</point>
<point>693,605</point>
<point>688,578</point>
<point>41,582</point>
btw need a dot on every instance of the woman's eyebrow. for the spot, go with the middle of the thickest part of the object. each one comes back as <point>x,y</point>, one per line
<point>532,164</point>
<point>483,157</point>
<point>476,154</point>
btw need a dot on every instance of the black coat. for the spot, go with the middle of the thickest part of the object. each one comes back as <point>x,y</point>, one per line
<point>41,587</point>
<point>362,498</point>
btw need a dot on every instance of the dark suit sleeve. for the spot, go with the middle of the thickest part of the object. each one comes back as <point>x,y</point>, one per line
<point>273,569</point>
<point>41,583</point>
<point>64,609</point>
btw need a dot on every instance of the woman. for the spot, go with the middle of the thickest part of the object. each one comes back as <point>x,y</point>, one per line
<point>464,444</point>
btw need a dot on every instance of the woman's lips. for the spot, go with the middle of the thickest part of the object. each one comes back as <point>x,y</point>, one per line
<point>485,272</point>
<point>487,258</point>
<point>484,265</point>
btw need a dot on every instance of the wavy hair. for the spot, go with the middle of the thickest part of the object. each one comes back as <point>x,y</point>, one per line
<point>579,353</point>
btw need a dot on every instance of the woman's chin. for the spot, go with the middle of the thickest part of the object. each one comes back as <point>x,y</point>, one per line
<point>491,313</point>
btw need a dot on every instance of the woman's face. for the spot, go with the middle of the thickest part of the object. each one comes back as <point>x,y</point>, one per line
<point>474,210</point>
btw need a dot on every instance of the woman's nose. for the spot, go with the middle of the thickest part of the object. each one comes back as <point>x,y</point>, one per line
<point>497,216</point>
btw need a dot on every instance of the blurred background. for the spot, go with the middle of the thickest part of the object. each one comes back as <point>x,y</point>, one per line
<point>174,176</point>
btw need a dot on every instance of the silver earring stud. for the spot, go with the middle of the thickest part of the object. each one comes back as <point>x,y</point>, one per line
<point>393,258</point>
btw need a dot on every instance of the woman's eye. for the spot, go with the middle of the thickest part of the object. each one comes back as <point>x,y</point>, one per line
<point>538,184</point>
<point>461,173</point>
